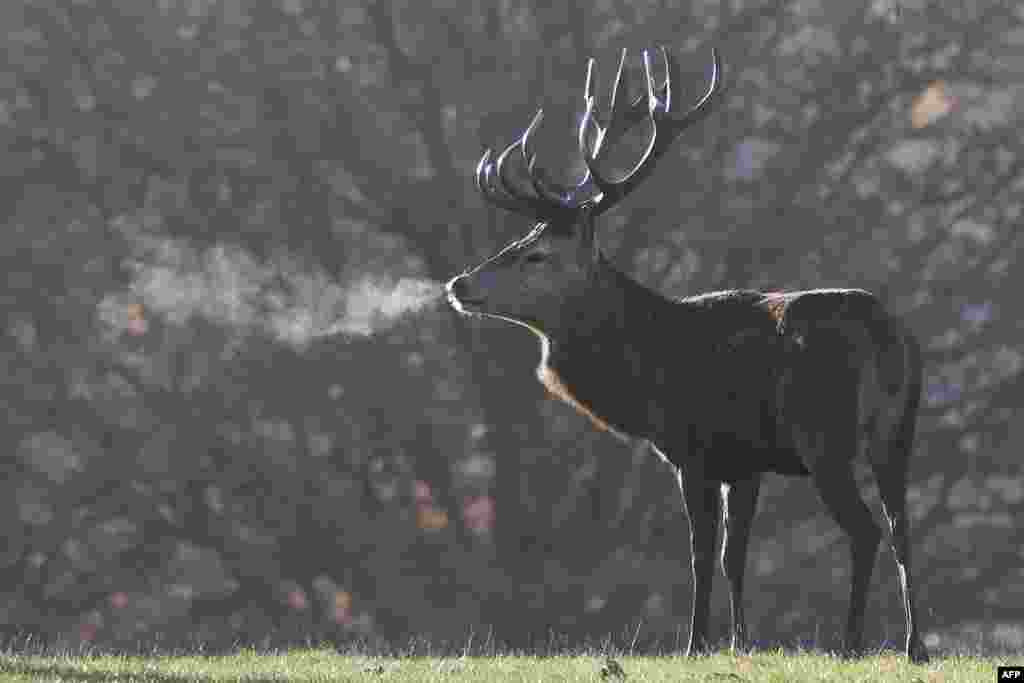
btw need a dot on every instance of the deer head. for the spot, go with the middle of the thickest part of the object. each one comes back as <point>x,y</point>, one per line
<point>527,281</point>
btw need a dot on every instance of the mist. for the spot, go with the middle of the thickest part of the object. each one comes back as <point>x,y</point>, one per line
<point>373,303</point>
<point>291,301</point>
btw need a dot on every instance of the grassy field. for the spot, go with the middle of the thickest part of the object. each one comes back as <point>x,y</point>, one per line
<point>327,665</point>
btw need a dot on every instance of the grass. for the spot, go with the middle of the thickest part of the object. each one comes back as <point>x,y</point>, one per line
<point>328,665</point>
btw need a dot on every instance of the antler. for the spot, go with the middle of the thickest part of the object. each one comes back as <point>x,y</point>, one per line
<point>666,124</point>
<point>550,198</point>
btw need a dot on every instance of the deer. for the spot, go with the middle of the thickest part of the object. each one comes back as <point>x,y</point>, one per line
<point>724,386</point>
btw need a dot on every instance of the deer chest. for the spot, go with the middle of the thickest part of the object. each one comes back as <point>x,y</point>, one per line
<point>557,387</point>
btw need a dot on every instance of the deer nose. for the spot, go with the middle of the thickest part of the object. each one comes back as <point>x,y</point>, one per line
<point>459,291</point>
<point>456,286</point>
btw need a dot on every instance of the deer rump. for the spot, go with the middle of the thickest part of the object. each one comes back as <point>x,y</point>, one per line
<point>757,374</point>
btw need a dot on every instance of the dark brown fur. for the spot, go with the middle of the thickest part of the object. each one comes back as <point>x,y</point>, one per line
<point>717,362</point>
<point>729,385</point>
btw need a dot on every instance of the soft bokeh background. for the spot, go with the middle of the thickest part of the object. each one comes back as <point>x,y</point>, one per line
<point>234,414</point>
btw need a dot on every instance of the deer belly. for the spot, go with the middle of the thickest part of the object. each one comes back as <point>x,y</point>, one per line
<point>744,436</point>
<point>732,460</point>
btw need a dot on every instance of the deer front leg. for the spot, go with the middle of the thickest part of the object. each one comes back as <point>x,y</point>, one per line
<point>700,500</point>
<point>739,501</point>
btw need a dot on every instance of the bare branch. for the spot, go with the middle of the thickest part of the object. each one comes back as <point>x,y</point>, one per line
<point>428,111</point>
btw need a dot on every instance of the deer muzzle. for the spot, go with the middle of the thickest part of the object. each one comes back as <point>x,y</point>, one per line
<point>460,294</point>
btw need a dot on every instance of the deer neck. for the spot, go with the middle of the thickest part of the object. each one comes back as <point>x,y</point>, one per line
<point>597,357</point>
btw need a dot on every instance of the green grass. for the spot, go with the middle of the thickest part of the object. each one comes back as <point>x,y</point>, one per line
<point>327,665</point>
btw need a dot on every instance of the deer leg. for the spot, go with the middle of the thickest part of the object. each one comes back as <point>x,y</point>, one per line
<point>700,500</point>
<point>839,492</point>
<point>739,500</point>
<point>892,486</point>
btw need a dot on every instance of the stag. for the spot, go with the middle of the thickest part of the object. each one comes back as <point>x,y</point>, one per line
<point>724,386</point>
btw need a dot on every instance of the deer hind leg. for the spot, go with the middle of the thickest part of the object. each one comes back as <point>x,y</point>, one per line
<point>739,501</point>
<point>826,436</point>
<point>891,475</point>
<point>823,400</point>
<point>700,499</point>
<point>838,490</point>
<point>889,441</point>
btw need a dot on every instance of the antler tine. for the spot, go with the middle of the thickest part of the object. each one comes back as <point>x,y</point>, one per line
<point>587,151</point>
<point>620,93</point>
<point>672,74</point>
<point>590,120</point>
<point>481,170</point>
<point>589,90</point>
<point>652,98</point>
<point>546,189</point>
<point>524,140</point>
<point>703,108</point>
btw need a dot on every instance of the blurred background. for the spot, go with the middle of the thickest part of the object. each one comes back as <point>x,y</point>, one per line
<point>234,414</point>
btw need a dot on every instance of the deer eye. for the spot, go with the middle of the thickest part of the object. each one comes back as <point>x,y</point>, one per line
<point>536,257</point>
